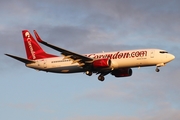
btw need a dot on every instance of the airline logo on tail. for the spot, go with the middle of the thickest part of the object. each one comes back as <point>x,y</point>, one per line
<point>27,35</point>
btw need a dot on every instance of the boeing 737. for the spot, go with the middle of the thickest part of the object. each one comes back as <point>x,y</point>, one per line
<point>118,63</point>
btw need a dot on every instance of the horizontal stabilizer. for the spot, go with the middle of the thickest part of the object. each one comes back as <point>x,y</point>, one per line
<point>26,61</point>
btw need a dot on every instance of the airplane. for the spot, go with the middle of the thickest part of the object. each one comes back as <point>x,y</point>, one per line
<point>117,63</point>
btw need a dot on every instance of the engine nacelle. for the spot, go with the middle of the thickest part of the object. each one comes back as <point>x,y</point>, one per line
<point>101,63</point>
<point>124,72</point>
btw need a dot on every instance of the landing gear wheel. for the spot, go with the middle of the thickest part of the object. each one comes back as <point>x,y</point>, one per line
<point>157,69</point>
<point>89,73</point>
<point>101,78</point>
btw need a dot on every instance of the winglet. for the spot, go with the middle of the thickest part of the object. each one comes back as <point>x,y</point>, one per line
<point>37,36</point>
<point>63,51</point>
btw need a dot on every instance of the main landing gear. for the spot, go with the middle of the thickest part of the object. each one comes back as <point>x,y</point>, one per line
<point>101,78</point>
<point>89,73</point>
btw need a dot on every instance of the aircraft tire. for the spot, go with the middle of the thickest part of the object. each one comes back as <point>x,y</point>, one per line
<point>101,78</point>
<point>89,73</point>
<point>157,69</point>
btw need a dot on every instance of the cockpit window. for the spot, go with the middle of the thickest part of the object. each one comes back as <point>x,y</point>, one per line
<point>163,52</point>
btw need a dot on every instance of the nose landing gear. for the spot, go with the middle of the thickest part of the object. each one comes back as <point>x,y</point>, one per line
<point>157,69</point>
<point>159,65</point>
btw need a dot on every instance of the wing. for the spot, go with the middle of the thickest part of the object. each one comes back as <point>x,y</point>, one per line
<point>76,58</point>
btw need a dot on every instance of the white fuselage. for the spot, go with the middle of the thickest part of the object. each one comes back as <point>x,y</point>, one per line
<point>119,59</point>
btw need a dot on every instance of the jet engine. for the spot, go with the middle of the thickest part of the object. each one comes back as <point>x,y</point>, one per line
<point>101,63</point>
<point>124,72</point>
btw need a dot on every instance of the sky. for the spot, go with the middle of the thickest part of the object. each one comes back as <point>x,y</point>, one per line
<point>87,26</point>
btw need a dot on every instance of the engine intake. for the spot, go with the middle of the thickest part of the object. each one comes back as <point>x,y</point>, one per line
<point>125,72</point>
<point>101,63</point>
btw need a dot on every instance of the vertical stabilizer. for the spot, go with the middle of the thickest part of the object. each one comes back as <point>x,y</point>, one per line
<point>33,50</point>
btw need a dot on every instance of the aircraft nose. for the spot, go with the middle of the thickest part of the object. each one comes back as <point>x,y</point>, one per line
<point>171,57</point>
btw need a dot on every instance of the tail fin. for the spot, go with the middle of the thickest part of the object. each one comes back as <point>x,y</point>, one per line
<point>33,50</point>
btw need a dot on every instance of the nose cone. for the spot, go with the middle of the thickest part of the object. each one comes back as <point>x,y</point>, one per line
<point>171,57</point>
